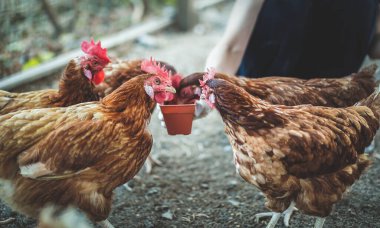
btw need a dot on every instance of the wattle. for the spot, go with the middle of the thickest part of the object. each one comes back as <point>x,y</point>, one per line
<point>98,77</point>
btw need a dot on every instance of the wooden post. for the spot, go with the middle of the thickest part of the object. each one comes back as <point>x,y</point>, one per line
<point>52,15</point>
<point>186,16</point>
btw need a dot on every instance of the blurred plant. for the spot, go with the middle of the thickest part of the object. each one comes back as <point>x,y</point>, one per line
<point>31,27</point>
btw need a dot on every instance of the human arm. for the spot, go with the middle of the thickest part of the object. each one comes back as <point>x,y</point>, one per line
<point>228,52</point>
<point>374,52</point>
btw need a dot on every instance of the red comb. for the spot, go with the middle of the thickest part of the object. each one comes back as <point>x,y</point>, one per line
<point>92,48</point>
<point>152,67</point>
<point>207,76</point>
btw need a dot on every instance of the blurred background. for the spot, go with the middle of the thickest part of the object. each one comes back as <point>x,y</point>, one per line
<point>197,185</point>
<point>36,31</point>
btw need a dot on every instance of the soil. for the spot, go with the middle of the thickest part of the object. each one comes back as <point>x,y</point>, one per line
<point>197,185</point>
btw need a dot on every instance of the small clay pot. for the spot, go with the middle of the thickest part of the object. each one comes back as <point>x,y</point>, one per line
<point>178,118</point>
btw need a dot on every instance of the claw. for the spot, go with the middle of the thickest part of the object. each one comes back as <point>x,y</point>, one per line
<point>275,216</point>
<point>126,186</point>
<point>261,215</point>
<point>288,213</point>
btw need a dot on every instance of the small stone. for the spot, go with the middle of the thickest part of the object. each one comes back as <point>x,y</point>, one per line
<point>227,148</point>
<point>234,202</point>
<point>153,191</point>
<point>168,215</point>
<point>204,186</point>
<point>231,184</point>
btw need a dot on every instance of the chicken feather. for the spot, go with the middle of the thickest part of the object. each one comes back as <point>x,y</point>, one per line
<point>330,92</point>
<point>75,155</point>
<point>304,154</point>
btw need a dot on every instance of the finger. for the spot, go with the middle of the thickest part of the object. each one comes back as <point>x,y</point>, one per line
<point>198,108</point>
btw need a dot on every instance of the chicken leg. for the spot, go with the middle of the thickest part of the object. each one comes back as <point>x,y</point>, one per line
<point>106,224</point>
<point>150,162</point>
<point>275,216</point>
<point>319,222</point>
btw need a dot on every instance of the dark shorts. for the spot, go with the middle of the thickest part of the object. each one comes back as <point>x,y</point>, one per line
<point>310,38</point>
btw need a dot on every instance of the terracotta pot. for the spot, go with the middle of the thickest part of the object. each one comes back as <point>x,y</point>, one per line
<point>178,118</point>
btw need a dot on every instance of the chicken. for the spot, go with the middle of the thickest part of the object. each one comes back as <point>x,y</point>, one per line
<point>330,92</point>
<point>78,155</point>
<point>75,86</point>
<point>120,71</point>
<point>298,156</point>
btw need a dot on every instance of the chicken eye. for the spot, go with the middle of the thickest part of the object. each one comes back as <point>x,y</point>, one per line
<point>157,81</point>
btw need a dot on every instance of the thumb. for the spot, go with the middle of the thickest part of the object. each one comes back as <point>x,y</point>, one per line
<point>201,109</point>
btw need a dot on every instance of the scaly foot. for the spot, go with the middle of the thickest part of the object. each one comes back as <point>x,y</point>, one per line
<point>273,221</point>
<point>275,216</point>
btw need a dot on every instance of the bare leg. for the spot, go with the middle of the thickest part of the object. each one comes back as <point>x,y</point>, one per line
<point>150,162</point>
<point>319,222</point>
<point>106,224</point>
<point>288,213</point>
<point>273,221</point>
<point>126,186</point>
<point>371,148</point>
<point>275,216</point>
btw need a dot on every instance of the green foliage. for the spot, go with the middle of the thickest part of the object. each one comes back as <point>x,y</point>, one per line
<point>35,61</point>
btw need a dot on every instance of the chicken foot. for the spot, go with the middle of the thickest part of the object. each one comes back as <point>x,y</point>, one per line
<point>150,163</point>
<point>275,216</point>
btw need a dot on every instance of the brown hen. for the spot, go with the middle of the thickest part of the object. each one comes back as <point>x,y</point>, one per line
<point>75,86</point>
<point>298,156</point>
<point>79,154</point>
<point>330,92</point>
<point>119,72</point>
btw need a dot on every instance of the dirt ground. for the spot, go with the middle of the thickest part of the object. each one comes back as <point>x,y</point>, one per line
<point>197,185</point>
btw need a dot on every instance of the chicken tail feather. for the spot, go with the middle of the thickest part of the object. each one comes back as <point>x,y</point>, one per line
<point>366,77</point>
<point>372,101</point>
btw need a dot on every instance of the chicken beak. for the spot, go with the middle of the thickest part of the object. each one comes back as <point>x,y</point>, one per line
<point>170,89</point>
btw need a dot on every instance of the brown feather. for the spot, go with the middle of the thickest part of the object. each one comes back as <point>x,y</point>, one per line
<point>330,92</point>
<point>85,150</point>
<point>306,154</point>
